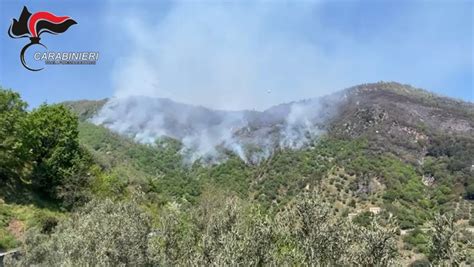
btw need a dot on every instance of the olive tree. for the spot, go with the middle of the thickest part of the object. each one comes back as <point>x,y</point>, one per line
<point>309,234</point>
<point>376,243</point>
<point>173,242</point>
<point>102,233</point>
<point>445,248</point>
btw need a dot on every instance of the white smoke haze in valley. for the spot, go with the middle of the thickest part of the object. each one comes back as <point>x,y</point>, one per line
<point>206,134</point>
<point>238,60</point>
<point>250,56</point>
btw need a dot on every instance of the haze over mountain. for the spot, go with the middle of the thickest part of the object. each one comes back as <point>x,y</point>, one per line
<point>381,109</point>
<point>383,142</point>
<point>204,131</point>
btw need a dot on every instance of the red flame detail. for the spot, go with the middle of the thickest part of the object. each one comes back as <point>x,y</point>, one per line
<point>43,15</point>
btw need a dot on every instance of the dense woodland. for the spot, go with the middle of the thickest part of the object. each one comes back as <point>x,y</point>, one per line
<point>73,193</point>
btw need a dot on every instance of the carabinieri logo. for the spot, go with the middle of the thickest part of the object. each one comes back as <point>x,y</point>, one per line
<point>33,25</point>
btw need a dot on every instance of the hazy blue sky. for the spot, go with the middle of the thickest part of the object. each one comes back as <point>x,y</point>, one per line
<point>245,54</point>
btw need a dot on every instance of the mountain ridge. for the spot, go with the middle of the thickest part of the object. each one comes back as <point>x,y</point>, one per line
<point>378,111</point>
<point>85,104</point>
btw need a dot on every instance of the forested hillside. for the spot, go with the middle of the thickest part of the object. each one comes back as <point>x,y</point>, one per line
<point>388,179</point>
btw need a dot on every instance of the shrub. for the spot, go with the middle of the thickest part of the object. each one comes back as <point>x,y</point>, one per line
<point>101,233</point>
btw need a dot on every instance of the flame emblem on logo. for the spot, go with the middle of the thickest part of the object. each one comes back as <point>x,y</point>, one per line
<point>33,25</point>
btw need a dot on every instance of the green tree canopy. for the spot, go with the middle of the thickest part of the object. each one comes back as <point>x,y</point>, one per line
<point>52,137</point>
<point>12,149</point>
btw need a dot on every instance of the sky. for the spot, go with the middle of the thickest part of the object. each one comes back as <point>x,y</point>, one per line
<point>245,54</point>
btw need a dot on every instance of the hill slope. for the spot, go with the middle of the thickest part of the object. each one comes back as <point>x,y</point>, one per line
<point>369,144</point>
<point>384,148</point>
<point>394,117</point>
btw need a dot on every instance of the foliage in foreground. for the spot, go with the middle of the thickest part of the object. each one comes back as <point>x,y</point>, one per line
<point>100,234</point>
<point>227,232</point>
<point>40,149</point>
<point>224,232</point>
<point>446,250</point>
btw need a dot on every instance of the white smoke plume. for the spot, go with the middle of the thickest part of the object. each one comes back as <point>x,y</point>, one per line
<point>224,56</point>
<point>206,134</point>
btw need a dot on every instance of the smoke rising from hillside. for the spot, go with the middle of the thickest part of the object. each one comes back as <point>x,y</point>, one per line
<point>225,56</point>
<point>206,134</point>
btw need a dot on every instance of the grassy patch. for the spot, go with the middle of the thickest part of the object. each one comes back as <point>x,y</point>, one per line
<point>27,216</point>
